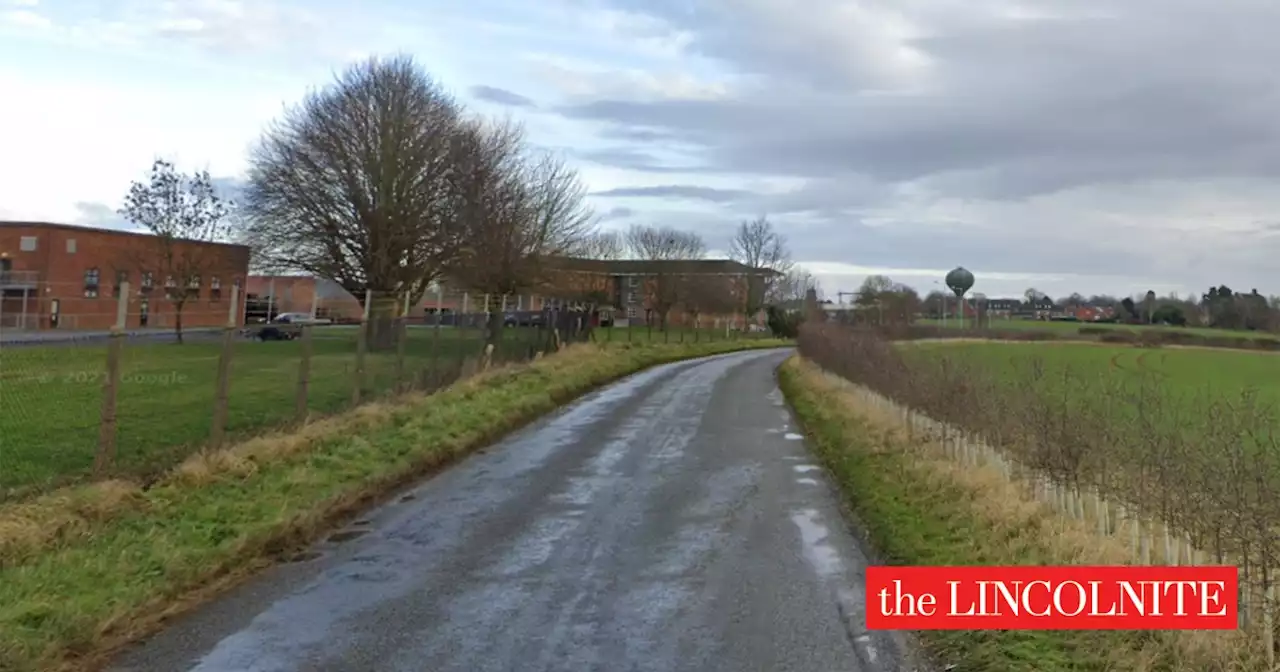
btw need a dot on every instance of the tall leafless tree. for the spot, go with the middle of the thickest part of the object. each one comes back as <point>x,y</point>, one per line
<point>792,287</point>
<point>758,245</point>
<point>353,185</point>
<point>523,209</point>
<point>607,245</point>
<point>707,295</point>
<point>177,209</point>
<point>662,246</point>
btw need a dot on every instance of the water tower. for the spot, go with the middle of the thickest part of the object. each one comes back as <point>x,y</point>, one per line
<point>960,281</point>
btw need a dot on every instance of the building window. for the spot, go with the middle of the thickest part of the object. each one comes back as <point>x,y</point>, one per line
<point>121,278</point>
<point>193,286</point>
<point>71,246</point>
<point>91,283</point>
<point>215,288</point>
<point>148,281</point>
<point>169,286</point>
<point>633,281</point>
<point>27,244</point>
<point>631,312</point>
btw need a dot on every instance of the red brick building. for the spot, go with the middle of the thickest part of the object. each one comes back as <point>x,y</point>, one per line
<point>716,289</point>
<point>59,276</point>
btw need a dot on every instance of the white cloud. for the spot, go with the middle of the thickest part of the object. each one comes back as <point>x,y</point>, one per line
<point>58,155</point>
<point>24,18</point>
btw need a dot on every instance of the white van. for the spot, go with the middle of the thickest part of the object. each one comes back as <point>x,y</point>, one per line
<point>300,318</point>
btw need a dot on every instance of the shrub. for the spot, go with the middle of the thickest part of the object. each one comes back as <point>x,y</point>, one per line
<point>1207,463</point>
<point>783,324</point>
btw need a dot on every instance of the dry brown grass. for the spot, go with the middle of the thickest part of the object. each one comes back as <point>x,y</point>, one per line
<point>66,514</point>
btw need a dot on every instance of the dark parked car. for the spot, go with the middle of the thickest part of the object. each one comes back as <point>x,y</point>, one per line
<point>527,318</point>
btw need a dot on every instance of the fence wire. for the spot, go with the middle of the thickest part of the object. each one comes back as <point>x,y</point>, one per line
<point>133,401</point>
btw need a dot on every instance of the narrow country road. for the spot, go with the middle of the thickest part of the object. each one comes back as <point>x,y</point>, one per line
<point>671,522</point>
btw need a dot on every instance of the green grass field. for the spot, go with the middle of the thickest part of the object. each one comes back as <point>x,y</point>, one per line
<point>1074,327</point>
<point>1184,368</point>
<point>51,396</point>
<point>1107,374</point>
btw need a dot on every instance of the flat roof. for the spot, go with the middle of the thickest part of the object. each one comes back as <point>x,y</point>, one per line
<point>99,229</point>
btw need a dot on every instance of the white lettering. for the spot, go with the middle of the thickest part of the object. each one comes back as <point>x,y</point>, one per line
<point>1057,598</point>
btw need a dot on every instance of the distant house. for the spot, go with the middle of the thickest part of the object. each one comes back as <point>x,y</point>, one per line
<point>1003,308</point>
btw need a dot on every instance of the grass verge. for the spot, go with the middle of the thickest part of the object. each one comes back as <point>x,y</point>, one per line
<point>918,508</point>
<point>86,569</point>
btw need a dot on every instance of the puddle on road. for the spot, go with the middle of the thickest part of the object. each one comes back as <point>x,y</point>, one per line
<point>346,535</point>
<point>792,436</point>
<point>814,537</point>
<point>303,556</point>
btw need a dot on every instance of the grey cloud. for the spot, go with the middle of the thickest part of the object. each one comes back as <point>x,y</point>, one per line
<point>613,214</point>
<point>1037,105</point>
<point>929,134</point>
<point>493,94</point>
<point>638,160</point>
<point>636,134</point>
<point>676,191</point>
<point>101,215</point>
<point>229,188</point>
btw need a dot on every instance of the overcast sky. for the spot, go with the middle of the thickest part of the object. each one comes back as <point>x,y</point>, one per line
<point>1069,145</point>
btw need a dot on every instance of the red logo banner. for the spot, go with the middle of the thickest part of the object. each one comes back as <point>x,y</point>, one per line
<point>1052,598</point>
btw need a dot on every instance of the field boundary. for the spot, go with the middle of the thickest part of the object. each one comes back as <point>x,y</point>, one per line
<point>1083,342</point>
<point>928,494</point>
<point>221,517</point>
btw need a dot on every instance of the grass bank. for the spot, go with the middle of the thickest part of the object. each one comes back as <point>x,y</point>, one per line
<point>85,569</point>
<point>918,508</point>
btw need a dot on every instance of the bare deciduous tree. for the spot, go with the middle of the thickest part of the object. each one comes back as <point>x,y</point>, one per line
<point>707,295</point>
<point>792,287</point>
<point>177,209</point>
<point>522,211</point>
<point>352,185</point>
<point>663,245</point>
<point>606,245</point>
<point>758,245</point>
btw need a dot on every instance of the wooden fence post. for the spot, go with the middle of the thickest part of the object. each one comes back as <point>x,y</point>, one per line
<point>303,392</point>
<point>105,457</point>
<point>218,431</point>
<point>402,335</point>
<point>362,347</point>
<point>437,379</point>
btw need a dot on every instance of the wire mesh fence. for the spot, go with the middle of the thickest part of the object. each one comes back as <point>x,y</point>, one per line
<point>131,395</point>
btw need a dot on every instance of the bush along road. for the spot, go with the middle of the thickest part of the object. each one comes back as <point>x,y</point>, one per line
<point>672,521</point>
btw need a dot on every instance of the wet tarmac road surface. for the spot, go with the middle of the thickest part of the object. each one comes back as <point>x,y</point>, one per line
<point>671,522</point>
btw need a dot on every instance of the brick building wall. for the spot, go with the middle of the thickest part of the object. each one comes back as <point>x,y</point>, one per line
<point>58,276</point>
<point>718,287</point>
